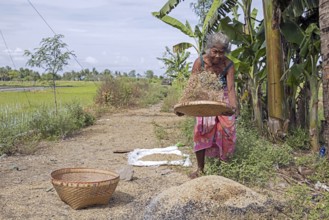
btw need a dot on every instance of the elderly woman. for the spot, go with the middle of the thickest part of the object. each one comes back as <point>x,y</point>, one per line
<point>215,136</point>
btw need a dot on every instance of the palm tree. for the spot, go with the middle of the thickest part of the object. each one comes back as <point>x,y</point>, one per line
<point>324,35</point>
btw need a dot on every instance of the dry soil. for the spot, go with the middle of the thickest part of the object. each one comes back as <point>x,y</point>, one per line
<point>26,191</point>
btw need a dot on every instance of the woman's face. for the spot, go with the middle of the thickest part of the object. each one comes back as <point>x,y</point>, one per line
<point>217,53</point>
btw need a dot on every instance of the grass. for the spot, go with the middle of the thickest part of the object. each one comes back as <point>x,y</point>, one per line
<point>27,116</point>
<point>260,164</point>
<point>29,101</point>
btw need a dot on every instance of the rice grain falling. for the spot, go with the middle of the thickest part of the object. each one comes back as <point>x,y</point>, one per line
<point>203,86</point>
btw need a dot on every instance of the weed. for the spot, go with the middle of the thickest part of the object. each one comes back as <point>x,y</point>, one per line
<point>17,133</point>
<point>128,92</point>
<point>254,161</point>
<point>171,99</point>
<point>159,131</point>
<point>298,139</point>
<point>304,203</point>
<point>186,128</point>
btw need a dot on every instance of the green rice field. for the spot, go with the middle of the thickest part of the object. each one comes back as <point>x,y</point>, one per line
<point>19,101</point>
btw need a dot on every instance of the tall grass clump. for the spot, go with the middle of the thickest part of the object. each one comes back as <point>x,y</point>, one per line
<point>71,117</point>
<point>172,98</point>
<point>17,131</point>
<point>13,127</point>
<point>186,128</point>
<point>298,139</point>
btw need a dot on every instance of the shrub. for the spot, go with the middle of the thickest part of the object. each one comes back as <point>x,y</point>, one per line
<point>128,92</point>
<point>254,161</point>
<point>69,119</point>
<point>13,127</point>
<point>298,139</point>
<point>171,99</point>
<point>112,92</point>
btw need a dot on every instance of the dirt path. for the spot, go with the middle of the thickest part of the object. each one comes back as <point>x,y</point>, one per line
<point>26,191</point>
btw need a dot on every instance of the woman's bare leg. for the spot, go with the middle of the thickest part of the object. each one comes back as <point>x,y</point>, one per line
<point>200,157</point>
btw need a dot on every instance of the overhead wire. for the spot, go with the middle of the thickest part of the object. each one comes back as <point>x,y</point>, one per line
<point>52,29</point>
<point>74,57</point>
<point>11,58</point>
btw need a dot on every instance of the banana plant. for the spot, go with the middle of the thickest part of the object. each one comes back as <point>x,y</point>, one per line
<point>218,10</point>
<point>249,61</point>
<point>303,74</point>
<point>310,51</point>
<point>274,66</point>
<point>176,65</point>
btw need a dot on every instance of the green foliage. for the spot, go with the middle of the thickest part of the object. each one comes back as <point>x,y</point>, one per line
<point>254,161</point>
<point>82,118</point>
<point>171,99</point>
<point>303,203</point>
<point>50,57</point>
<point>176,64</point>
<point>153,95</point>
<point>22,103</point>
<point>320,167</point>
<point>187,131</point>
<point>71,118</point>
<point>19,130</point>
<point>11,126</point>
<point>298,139</point>
<point>217,10</point>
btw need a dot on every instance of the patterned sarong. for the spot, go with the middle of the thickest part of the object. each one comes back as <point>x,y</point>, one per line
<point>217,135</point>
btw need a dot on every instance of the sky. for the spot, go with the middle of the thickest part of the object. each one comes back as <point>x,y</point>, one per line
<point>119,35</point>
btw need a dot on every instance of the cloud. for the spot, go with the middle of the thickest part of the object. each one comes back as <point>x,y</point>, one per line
<point>91,60</point>
<point>118,34</point>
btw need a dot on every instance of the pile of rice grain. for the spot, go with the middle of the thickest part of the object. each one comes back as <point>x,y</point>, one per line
<point>203,86</point>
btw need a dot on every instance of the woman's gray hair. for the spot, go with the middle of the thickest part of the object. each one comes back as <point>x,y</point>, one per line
<point>218,38</point>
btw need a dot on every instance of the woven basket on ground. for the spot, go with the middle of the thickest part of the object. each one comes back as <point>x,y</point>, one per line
<point>82,187</point>
<point>203,96</point>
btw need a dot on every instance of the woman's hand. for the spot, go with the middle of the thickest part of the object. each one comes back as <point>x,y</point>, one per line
<point>232,111</point>
<point>179,114</point>
<point>228,113</point>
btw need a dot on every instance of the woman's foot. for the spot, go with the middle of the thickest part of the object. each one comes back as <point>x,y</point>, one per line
<point>196,174</point>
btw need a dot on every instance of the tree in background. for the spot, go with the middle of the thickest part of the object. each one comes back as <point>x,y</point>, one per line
<point>149,74</point>
<point>176,65</point>
<point>52,56</point>
<point>132,73</point>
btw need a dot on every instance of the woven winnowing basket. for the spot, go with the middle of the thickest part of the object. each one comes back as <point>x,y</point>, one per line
<point>82,187</point>
<point>203,96</point>
<point>202,108</point>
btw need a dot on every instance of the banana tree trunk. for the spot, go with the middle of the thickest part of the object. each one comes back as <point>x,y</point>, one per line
<point>313,104</point>
<point>313,113</point>
<point>324,34</point>
<point>256,105</point>
<point>274,62</point>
